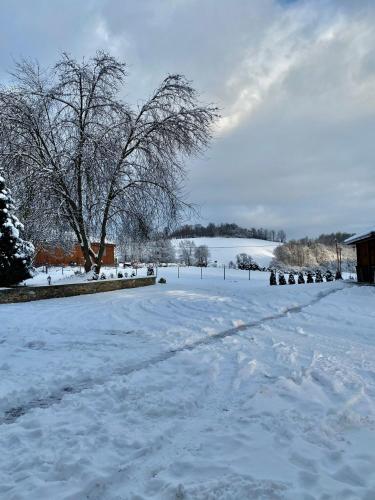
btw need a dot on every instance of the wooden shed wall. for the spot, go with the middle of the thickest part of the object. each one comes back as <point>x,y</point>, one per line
<point>56,256</point>
<point>366,260</point>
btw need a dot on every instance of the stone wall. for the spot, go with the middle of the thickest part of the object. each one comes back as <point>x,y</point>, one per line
<point>28,293</point>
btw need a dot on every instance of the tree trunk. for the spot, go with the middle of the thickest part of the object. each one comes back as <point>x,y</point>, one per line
<point>88,261</point>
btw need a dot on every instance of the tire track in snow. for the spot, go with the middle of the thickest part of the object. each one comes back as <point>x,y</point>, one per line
<point>11,415</point>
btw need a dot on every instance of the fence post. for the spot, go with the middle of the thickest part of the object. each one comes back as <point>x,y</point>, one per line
<point>249,274</point>
<point>224,271</point>
<point>178,271</point>
<point>201,271</point>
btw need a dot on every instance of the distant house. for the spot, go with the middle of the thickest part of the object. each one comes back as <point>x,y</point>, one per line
<point>365,245</point>
<point>54,255</point>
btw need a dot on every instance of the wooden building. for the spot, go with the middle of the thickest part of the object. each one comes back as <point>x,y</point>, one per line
<point>365,246</point>
<point>56,256</point>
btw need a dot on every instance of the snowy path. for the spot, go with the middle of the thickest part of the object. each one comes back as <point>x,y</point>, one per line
<point>194,390</point>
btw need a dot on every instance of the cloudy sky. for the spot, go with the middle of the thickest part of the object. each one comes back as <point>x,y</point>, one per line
<point>295,80</point>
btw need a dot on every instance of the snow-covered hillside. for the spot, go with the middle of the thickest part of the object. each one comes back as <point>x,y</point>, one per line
<point>224,250</point>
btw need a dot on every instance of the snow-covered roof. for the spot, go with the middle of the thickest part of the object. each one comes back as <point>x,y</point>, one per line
<point>369,233</point>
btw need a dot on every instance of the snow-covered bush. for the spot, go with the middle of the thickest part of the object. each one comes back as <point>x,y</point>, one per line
<point>329,276</point>
<point>318,276</point>
<point>291,279</point>
<point>301,278</point>
<point>273,278</point>
<point>282,280</point>
<point>15,253</point>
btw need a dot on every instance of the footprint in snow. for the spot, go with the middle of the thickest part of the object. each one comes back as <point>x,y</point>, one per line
<point>35,344</point>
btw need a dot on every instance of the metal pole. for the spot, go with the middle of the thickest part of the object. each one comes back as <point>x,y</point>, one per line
<point>178,271</point>
<point>201,271</point>
<point>249,274</point>
<point>224,271</point>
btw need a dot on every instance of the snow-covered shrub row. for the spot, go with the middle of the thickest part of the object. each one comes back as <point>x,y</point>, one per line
<point>281,280</point>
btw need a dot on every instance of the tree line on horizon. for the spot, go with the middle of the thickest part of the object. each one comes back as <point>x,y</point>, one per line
<point>230,230</point>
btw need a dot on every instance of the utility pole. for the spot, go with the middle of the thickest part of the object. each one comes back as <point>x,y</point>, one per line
<point>338,257</point>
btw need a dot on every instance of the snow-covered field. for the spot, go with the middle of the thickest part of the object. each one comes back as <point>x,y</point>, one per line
<point>224,250</point>
<point>197,389</point>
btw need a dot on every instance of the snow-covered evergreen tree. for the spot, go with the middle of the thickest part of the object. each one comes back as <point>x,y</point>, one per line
<point>15,253</point>
<point>310,278</point>
<point>282,280</point>
<point>318,276</point>
<point>329,276</point>
<point>273,278</point>
<point>291,279</point>
<point>301,278</point>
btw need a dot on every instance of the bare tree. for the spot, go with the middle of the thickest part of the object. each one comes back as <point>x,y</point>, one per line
<point>187,251</point>
<point>162,251</point>
<point>99,162</point>
<point>201,255</point>
<point>244,261</point>
<point>281,236</point>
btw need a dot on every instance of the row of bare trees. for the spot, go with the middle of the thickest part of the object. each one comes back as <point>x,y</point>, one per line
<point>311,254</point>
<point>83,162</point>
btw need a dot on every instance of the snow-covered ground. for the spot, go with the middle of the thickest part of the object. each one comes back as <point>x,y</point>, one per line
<point>224,250</point>
<point>197,389</point>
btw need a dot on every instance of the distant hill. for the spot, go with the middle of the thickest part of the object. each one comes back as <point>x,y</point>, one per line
<point>223,250</point>
<point>230,230</point>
